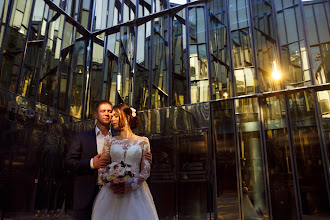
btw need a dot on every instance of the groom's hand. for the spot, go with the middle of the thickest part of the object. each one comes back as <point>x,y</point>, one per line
<point>99,162</point>
<point>148,156</point>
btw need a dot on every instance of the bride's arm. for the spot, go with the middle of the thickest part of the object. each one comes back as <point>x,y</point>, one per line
<point>145,167</point>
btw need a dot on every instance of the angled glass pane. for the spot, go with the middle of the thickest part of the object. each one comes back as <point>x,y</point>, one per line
<point>174,3</point>
<point>225,158</point>
<point>279,159</point>
<point>101,13</point>
<point>265,43</point>
<point>199,80</point>
<point>252,170</point>
<point>129,10</point>
<point>295,65</point>
<point>14,43</point>
<point>159,5</point>
<point>221,80</point>
<point>126,65</point>
<point>3,16</point>
<point>144,8</point>
<point>160,63</point>
<point>179,59</point>
<point>313,193</point>
<point>142,73</point>
<point>31,63</point>
<point>114,13</point>
<point>111,67</point>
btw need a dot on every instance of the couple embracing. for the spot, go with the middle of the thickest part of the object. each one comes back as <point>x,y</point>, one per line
<point>92,151</point>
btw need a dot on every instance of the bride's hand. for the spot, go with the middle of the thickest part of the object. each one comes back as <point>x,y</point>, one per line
<point>118,188</point>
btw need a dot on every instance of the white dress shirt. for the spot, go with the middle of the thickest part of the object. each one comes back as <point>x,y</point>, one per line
<point>99,142</point>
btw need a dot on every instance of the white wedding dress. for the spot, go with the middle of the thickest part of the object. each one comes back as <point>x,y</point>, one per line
<point>138,203</point>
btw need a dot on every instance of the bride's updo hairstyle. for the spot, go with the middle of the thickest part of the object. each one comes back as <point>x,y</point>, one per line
<point>125,112</point>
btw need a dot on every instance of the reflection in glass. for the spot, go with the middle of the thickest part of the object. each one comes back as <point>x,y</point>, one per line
<point>279,159</point>
<point>3,18</point>
<point>308,154</point>
<point>265,43</point>
<point>193,176</point>
<point>221,85</point>
<point>144,8</point>
<point>129,10</point>
<point>160,63</point>
<point>114,16</point>
<point>294,53</point>
<point>324,102</point>
<point>252,170</point>
<point>126,64</point>
<point>159,5</point>
<point>199,80</point>
<point>30,69</point>
<point>318,35</point>
<point>111,68</point>
<point>179,59</point>
<point>96,75</point>
<point>141,87</point>
<point>51,58</point>
<point>226,178</point>
<point>14,43</point>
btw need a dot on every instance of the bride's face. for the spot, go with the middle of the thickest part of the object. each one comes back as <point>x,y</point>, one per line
<point>116,121</point>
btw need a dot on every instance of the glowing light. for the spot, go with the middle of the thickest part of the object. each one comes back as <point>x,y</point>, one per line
<point>276,74</point>
<point>225,95</point>
<point>118,82</point>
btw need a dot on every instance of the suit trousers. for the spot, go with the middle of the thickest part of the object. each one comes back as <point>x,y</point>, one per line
<point>85,214</point>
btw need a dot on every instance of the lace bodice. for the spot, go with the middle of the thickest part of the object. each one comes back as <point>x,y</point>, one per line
<point>130,150</point>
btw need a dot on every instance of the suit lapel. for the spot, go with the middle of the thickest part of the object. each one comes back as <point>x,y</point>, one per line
<point>93,143</point>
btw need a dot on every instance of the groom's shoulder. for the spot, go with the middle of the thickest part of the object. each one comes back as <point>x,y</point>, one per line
<point>85,133</point>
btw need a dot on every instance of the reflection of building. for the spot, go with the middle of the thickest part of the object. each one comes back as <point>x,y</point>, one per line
<point>229,141</point>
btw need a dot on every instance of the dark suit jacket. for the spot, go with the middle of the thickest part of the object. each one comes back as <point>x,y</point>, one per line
<point>82,149</point>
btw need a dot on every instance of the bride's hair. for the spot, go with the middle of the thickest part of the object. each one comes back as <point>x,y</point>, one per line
<point>124,111</point>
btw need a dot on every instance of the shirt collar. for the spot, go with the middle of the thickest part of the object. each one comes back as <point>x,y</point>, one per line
<point>98,131</point>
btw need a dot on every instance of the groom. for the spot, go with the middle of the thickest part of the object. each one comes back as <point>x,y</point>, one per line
<point>84,160</point>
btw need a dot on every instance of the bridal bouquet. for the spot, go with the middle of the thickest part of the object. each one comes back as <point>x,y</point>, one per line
<point>116,172</point>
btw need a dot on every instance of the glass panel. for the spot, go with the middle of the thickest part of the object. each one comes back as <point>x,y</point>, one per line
<point>321,65</point>
<point>3,17</point>
<point>85,13</point>
<point>111,68</point>
<point>225,151</point>
<point>265,43</point>
<point>318,35</point>
<point>14,44</point>
<point>31,62</point>
<point>163,179</point>
<point>160,63</point>
<point>144,8</point>
<point>294,54</point>
<point>101,11</point>
<point>221,86</point>
<point>199,90</point>
<point>65,68</point>
<point>324,102</point>
<point>174,3</point>
<point>159,5</point>
<point>193,176</point>
<point>77,84</point>
<point>308,155</point>
<point>141,87</point>
<point>114,16</point>
<point>125,74</point>
<point>252,169</point>
<point>179,59</point>
<point>238,14</point>
<point>279,159</point>
<point>129,10</point>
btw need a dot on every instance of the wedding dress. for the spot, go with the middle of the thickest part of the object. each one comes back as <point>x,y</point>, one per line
<point>137,203</point>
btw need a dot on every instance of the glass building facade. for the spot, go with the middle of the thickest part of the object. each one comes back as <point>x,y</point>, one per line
<point>234,96</point>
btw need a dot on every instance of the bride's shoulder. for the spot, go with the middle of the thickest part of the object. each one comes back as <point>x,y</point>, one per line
<point>142,139</point>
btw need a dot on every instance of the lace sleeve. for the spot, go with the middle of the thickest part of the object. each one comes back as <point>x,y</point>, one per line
<point>145,167</point>
<point>106,148</point>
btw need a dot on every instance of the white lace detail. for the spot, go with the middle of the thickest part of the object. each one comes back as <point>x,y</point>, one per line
<point>131,151</point>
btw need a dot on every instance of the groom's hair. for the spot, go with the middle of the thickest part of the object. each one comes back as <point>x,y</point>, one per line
<point>100,103</point>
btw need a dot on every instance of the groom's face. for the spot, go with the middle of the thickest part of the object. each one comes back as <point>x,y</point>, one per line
<point>103,114</point>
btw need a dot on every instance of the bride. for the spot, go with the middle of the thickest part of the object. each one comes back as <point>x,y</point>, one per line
<point>132,199</point>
